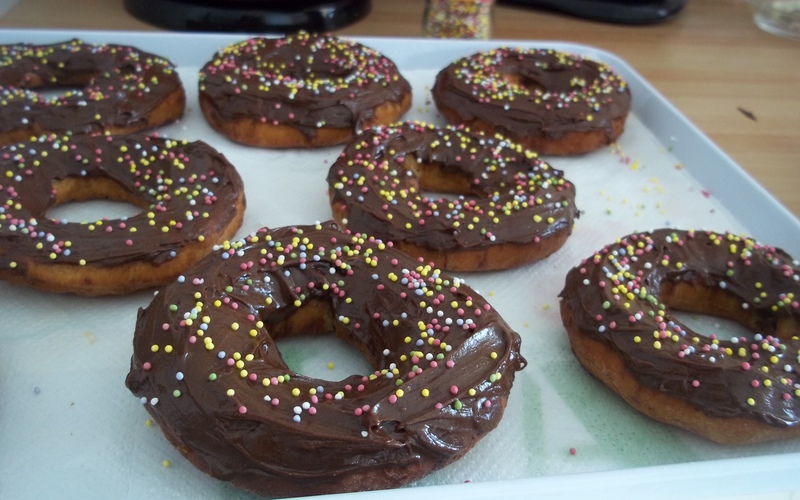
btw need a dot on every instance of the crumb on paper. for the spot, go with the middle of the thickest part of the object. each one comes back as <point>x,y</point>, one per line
<point>747,113</point>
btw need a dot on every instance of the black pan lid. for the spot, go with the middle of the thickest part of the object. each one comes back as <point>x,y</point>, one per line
<point>251,16</point>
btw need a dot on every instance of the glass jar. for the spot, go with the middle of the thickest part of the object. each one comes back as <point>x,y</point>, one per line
<point>458,18</point>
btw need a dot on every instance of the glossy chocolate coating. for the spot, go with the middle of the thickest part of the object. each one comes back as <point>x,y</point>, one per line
<point>106,87</point>
<point>513,196</point>
<point>533,92</point>
<point>207,368</point>
<point>615,298</point>
<point>303,80</point>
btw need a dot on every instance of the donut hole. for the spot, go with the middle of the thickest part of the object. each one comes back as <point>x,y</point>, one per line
<point>555,78</point>
<point>81,199</point>
<point>64,84</point>
<point>436,181</point>
<point>57,94</point>
<point>532,85</point>
<point>707,309</point>
<point>311,344</point>
<point>707,325</point>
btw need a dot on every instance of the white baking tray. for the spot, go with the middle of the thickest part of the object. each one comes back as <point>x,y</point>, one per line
<point>70,429</point>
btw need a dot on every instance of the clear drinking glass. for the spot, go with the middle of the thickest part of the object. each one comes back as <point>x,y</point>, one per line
<point>779,17</point>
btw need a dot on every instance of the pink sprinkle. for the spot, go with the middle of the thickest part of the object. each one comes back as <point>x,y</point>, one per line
<point>275,401</point>
<point>242,410</point>
<point>695,383</point>
<point>165,326</point>
<point>745,366</point>
<point>453,389</point>
<point>312,411</point>
<point>572,451</point>
<point>450,363</point>
<point>146,366</point>
<point>393,399</point>
<point>487,404</point>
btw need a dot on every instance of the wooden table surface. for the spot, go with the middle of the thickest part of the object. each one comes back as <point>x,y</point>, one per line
<point>739,85</point>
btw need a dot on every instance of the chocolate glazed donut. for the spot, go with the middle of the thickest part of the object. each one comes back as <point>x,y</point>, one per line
<point>189,196</point>
<point>302,90</point>
<point>206,366</point>
<point>549,101</point>
<point>511,207</point>
<point>120,89</point>
<point>727,388</point>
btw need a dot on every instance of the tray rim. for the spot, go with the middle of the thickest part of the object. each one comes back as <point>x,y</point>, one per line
<point>719,478</point>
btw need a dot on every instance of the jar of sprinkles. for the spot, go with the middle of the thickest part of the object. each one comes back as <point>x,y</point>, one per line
<point>458,18</point>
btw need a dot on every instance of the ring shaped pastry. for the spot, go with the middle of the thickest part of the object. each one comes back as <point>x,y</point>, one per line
<point>549,101</point>
<point>617,308</point>
<point>189,198</point>
<point>508,206</point>
<point>207,368</point>
<point>110,89</point>
<point>300,91</point>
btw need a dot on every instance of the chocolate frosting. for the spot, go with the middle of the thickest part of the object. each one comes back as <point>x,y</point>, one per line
<point>514,196</point>
<point>304,80</point>
<point>533,92</point>
<point>615,298</point>
<point>185,190</point>
<point>206,366</point>
<point>117,87</point>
